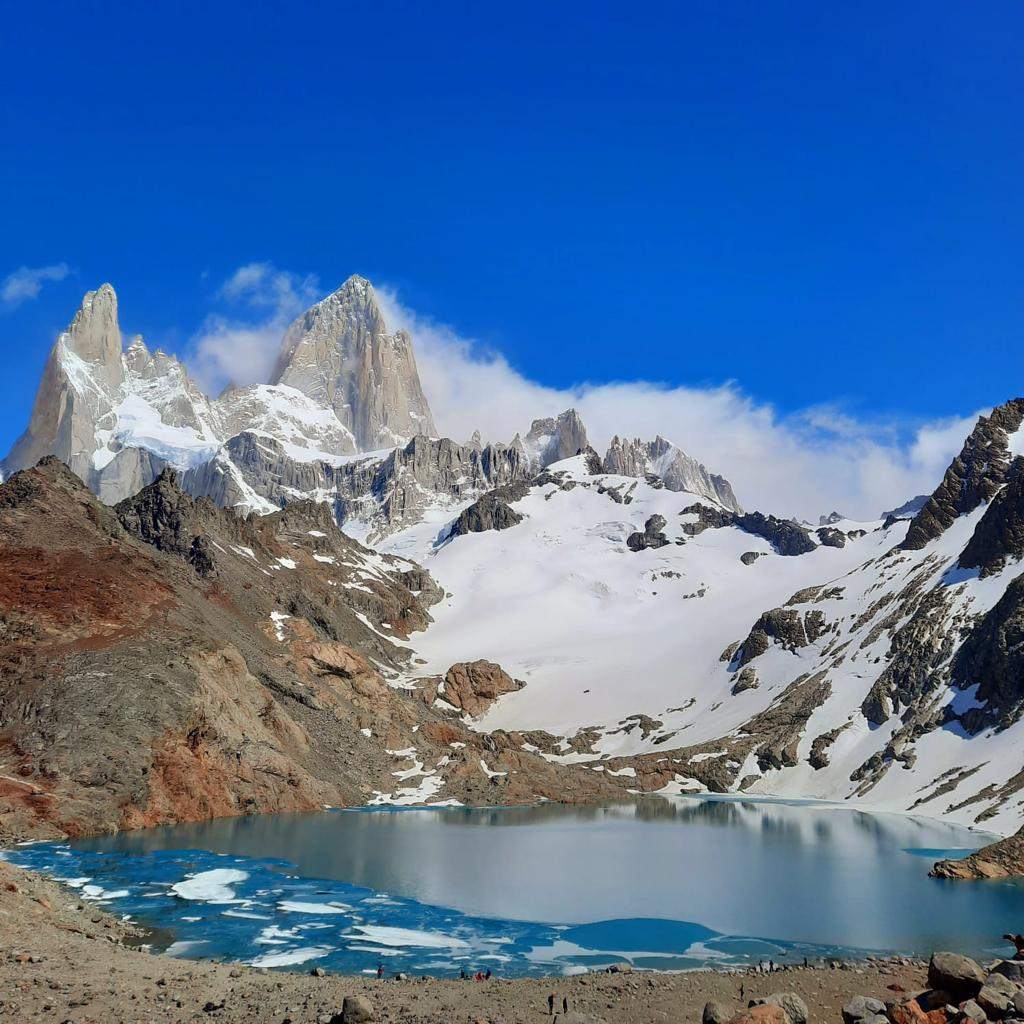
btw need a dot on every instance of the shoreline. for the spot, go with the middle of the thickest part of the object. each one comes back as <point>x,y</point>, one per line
<point>63,960</point>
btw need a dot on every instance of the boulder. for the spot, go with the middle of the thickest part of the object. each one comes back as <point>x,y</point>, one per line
<point>716,1013</point>
<point>794,1006</point>
<point>959,975</point>
<point>862,1008</point>
<point>994,1001</point>
<point>355,1010</point>
<point>972,1011</point>
<point>910,1012</point>
<point>472,686</point>
<point>621,968</point>
<point>762,1014</point>
<point>653,535</point>
<point>1012,969</point>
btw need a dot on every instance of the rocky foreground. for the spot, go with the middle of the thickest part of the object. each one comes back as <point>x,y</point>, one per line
<point>66,961</point>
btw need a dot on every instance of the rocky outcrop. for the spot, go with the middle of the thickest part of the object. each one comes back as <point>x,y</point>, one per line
<point>385,493</point>
<point>1002,859</point>
<point>992,657</point>
<point>999,535</point>
<point>674,467</point>
<point>973,476</point>
<point>830,537</point>
<point>907,510</point>
<point>785,536</point>
<point>786,627</point>
<point>161,515</point>
<point>491,511</point>
<point>918,659</point>
<point>653,535</point>
<point>472,686</point>
<point>555,438</point>
<point>341,354</point>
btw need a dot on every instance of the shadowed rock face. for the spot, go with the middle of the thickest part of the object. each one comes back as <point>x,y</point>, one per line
<point>652,536</point>
<point>973,476</point>
<point>341,354</point>
<point>490,511</point>
<point>992,657</point>
<point>999,534</point>
<point>787,627</point>
<point>788,538</point>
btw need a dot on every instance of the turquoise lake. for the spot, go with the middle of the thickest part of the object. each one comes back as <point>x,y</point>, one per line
<point>664,883</point>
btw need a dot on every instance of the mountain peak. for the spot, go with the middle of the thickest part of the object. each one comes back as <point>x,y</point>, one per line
<point>94,334</point>
<point>340,354</point>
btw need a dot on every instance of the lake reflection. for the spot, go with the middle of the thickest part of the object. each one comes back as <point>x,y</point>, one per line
<point>796,872</point>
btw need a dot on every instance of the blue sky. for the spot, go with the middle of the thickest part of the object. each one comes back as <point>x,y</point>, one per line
<point>820,202</point>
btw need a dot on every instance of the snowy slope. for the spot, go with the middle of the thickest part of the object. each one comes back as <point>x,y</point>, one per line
<point>599,633</point>
<point>596,630</point>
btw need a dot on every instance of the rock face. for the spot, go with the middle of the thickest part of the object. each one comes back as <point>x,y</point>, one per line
<point>973,477</point>
<point>490,511</point>
<point>1002,859</point>
<point>784,626</point>
<point>341,355</point>
<point>787,537</point>
<point>472,686</point>
<point>678,470</point>
<point>992,657</point>
<point>79,392</point>
<point>553,439</point>
<point>999,535</point>
<point>651,537</point>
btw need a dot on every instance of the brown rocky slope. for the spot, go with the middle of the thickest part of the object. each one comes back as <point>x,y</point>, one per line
<point>166,660</point>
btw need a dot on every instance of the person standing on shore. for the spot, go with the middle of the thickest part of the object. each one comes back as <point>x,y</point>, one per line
<point>551,1005</point>
<point>565,1004</point>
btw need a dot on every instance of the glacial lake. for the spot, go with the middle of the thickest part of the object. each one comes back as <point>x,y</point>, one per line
<point>666,884</point>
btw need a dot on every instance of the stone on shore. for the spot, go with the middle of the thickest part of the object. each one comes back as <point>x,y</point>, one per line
<point>794,1006</point>
<point>716,1013</point>
<point>959,975</point>
<point>765,1013</point>
<point>355,1010</point>
<point>862,1008</point>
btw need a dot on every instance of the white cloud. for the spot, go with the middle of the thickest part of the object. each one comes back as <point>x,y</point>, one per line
<point>26,282</point>
<point>803,463</point>
<point>243,347</point>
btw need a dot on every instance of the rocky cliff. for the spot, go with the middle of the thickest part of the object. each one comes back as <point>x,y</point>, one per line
<point>341,354</point>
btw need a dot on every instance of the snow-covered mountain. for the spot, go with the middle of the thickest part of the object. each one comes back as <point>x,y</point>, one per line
<point>344,421</point>
<point>679,646</point>
<point>666,637</point>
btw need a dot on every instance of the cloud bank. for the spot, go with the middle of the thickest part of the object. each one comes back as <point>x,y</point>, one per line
<point>240,348</point>
<point>26,283</point>
<point>800,464</point>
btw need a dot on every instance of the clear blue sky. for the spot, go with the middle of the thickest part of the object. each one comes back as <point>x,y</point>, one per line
<point>818,200</point>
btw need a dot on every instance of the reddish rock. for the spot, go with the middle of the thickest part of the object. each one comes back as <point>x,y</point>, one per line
<point>472,686</point>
